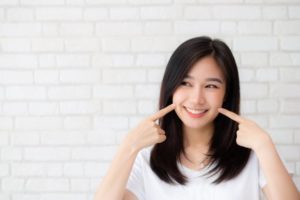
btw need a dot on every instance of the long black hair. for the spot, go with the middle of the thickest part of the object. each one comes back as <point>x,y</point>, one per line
<point>228,157</point>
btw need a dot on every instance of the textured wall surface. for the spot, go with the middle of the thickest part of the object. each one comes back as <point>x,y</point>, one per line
<point>76,75</point>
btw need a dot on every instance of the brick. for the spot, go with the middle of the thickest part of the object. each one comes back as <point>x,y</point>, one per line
<point>82,45</point>
<point>23,196</point>
<point>290,106</point>
<point>80,185</point>
<point>284,121</point>
<point>104,153</point>
<point>60,13</point>
<point>75,2</point>
<point>71,61</point>
<point>124,13</point>
<point>192,28</point>
<point>76,29</point>
<point>12,184</point>
<point>290,75</point>
<point>43,108</point>
<point>41,2</point>
<point>123,60</point>
<point>38,123</point>
<point>16,77</point>
<point>158,28</point>
<point>77,123</point>
<point>65,196</point>
<point>46,61</point>
<point>20,14</point>
<point>46,153</point>
<point>115,44</point>
<point>246,75</point>
<point>150,60</point>
<point>15,108</point>
<point>46,76</point>
<point>15,45</point>
<point>284,59</point>
<point>254,90</point>
<point>267,106</point>
<point>155,75</point>
<point>254,59</point>
<point>274,12</point>
<point>248,107</point>
<point>149,2</point>
<point>28,169</point>
<point>111,122</point>
<point>4,170</point>
<point>92,169</point>
<point>267,75</point>
<point>25,92</point>
<point>47,185</point>
<point>124,76</point>
<point>228,27</point>
<point>119,28</point>
<point>236,12</point>
<point>11,153</point>
<point>105,2</point>
<point>286,27</point>
<point>280,136</point>
<point>103,137</point>
<point>25,138</point>
<point>20,29</point>
<point>101,60</point>
<point>18,61</point>
<point>112,91</point>
<point>4,138</point>
<point>63,138</point>
<point>79,76</point>
<point>161,13</point>
<point>95,14</point>
<point>154,44</point>
<point>146,107</point>
<point>285,90</point>
<point>198,12</point>
<point>73,169</point>
<point>290,43</point>
<point>147,91</point>
<point>9,2</point>
<point>79,107</point>
<point>47,45</point>
<point>50,29</point>
<point>119,107</point>
<point>255,27</point>
<point>294,13</point>
<point>6,123</point>
<point>255,44</point>
<point>289,152</point>
<point>69,92</point>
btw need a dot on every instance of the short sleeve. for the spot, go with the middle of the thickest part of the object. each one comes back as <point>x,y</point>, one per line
<point>136,181</point>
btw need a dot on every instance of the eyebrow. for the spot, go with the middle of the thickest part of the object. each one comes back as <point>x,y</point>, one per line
<point>208,79</point>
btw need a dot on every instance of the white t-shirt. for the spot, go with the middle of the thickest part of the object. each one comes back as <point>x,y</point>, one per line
<point>146,185</point>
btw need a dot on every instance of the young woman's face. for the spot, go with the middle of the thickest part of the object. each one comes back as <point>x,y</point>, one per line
<point>200,94</point>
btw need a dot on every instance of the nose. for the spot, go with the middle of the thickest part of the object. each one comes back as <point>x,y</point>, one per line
<point>197,96</point>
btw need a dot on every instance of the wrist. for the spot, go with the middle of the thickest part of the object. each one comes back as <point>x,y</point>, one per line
<point>265,143</point>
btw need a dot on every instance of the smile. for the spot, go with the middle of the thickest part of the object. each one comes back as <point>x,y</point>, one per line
<point>196,113</point>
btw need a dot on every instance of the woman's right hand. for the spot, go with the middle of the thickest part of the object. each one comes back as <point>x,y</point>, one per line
<point>148,132</point>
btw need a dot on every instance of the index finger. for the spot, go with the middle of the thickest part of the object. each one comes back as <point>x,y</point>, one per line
<point>231,115</point>
<point>163,112</point>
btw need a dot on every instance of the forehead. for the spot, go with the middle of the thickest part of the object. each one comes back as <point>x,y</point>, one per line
<point>204,68</point>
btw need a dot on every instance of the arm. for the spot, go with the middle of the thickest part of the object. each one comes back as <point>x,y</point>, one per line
<point>279,183</point>
<point>147,133</point>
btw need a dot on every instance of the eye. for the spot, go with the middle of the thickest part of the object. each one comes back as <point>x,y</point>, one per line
<point>185,83</point>
<point>212,86</point>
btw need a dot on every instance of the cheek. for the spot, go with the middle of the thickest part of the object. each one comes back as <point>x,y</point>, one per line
<point>178,97</point>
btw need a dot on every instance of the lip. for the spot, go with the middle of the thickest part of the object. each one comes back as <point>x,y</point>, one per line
<point>192,115</point>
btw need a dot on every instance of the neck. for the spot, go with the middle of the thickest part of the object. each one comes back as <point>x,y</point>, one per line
<point>198,139</point>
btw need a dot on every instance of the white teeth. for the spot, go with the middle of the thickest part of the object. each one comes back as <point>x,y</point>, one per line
<point>195,111</point>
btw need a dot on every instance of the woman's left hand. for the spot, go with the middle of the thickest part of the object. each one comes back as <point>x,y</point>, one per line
<point>249,134</point>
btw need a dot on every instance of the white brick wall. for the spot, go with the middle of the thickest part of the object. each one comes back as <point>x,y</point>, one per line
<point>76,75</point>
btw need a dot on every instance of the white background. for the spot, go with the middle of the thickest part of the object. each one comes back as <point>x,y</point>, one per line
<point>76,75</point>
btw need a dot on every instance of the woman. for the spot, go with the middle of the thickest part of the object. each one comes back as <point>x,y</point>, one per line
<point>201,148</point>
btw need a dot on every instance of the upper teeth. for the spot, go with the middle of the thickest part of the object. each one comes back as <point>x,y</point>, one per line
<point>195,111</point>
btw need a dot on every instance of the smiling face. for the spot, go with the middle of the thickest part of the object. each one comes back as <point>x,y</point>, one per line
<point>200,94</point>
